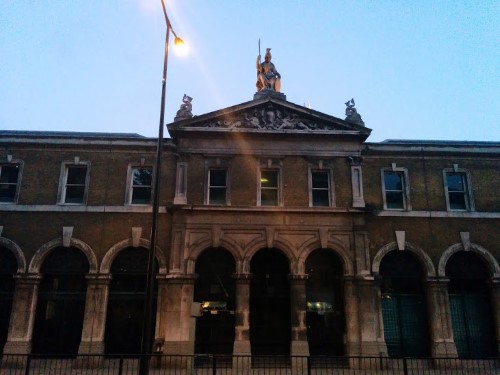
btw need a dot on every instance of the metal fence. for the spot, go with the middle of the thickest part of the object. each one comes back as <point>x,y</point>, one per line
<point>244,365</point>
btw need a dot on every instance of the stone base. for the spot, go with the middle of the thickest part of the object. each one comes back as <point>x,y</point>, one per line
<point>17,347</point>
<point>444,349</point>
<point>242,347</point>
<point>94,347</point>
<point>372,349</point>
<point>269,93</point>
<point>299,348</point>
<point>177,347</point>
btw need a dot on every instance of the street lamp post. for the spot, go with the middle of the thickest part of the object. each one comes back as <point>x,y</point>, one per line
<point>147,325</point>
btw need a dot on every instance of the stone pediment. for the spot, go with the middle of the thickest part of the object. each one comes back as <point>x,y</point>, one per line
<point>269,115</point>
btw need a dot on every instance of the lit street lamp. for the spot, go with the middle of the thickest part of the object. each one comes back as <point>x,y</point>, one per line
<point>146,342</point>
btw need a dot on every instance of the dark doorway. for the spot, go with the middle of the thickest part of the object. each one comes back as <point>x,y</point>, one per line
<point>270,303</point>
<point>404,308</point>
<point>8,267</point>
<point>215,289</point>
<point>126,302</point>
<point>61,303</point>
<point>325,304</point>
<point>471,311</point>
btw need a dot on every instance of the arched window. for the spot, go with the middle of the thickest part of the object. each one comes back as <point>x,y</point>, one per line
<point>8,267</point>
<point>404,308</point>
<point>215,290</point>
<point>471,310</point>
<point>126,302</point>
<point>325,304</point>
<point>270,303</point>
<point>61,303</point>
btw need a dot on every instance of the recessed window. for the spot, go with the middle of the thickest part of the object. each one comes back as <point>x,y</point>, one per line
<point>76,177</point>
<point>395,189</point>
<point>320,188</point>
<point>141,188</point>
<point>217,186</point>
<point>9,182</point>
<point>457,190</point>
<point>269,187</point>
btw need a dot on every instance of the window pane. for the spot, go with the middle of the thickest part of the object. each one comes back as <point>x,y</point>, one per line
<point>141,195</point>
<point>217,177</point>
<point>394,199</point>
<point>320,180</point>
<point>9,174</point>
<point>393,181</point>
<point>7,193</point>
<point>142,176</point>
<point>76,175</point>
<point>217,196</point>
<point>321,198</point>
<point>269,179</point>
<point>455,182</point>
<point>457,201</point>
<point>269,197</point>
<point>74,194</point>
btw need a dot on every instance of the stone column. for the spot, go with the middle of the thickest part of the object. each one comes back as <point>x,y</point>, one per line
<point>94,322</point>
<point>370,318</point>
<point>23,314</point>
<point>179,322</point>
<point>358,199</point>
<point>438,305</point>
<point>242,315</point>
<point>299,345</point>
<point>352,317</point>
<point>495,303</point>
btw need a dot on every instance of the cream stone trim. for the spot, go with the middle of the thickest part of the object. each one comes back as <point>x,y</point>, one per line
<point>18,253</point>
<point>262,244</point>
<point>421,255</point>
<point>482,252</point>
<point>45,250</point>
<point>333,246</point>
<point>111,254</point>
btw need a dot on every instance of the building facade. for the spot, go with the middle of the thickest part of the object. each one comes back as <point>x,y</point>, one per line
<point>281,231</point>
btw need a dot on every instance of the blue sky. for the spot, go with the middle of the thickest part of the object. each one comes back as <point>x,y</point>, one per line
<point>417,69</point>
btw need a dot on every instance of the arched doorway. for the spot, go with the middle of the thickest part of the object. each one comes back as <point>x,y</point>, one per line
<point>126,301</point>
<point>471,311</point>
<point>61,302</point>
<point>325,304</point>
<point>8,267</point>
<point>404,308</point>
<point>270,303</point>
<point>215,290</point>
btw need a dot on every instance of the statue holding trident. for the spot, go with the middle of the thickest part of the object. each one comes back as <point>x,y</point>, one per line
<point>267,75</point>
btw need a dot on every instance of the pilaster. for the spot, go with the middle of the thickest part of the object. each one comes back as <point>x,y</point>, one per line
<point>495,303</point>
<point>299,344</point>
<point>242,315</point>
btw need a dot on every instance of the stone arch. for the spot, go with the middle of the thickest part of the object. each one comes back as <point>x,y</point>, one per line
<point>484,254</point>
<point>111,254</point>
<point>200,248</point>
<point>421,255</point>
<point>333,246</point>
<point>277,244</point>
<point>18,253</point>
<point>44,251</point>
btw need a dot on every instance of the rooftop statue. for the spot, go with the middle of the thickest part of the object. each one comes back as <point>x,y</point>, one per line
<point>352,114</point>
<point>184,111</point>
<point>267,75</point>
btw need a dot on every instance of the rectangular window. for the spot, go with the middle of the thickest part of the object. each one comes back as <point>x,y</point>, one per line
<point>141,187</point>
<point>457,191</point>
<point>269,188</point>
<point>394,189</point>
<point>217,186</point>
<point>320,188</point>
<point>75,184</point>
<point>9,179</point>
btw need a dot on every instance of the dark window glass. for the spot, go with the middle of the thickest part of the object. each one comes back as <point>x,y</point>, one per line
<point>457,191</point>
<point>320,189</point>
<point>269,188</point>
<point>8,267</point>
<point>75,184</point>
<point>394,190</point>
<point>217,186</point>
<point>141,185</point>
<point>9,175</point>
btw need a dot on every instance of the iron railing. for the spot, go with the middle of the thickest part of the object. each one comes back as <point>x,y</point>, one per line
<point>244,365</point>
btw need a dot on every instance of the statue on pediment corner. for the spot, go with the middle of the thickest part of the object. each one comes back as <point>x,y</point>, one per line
<point>352,114</point>
<point>184,111</point>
